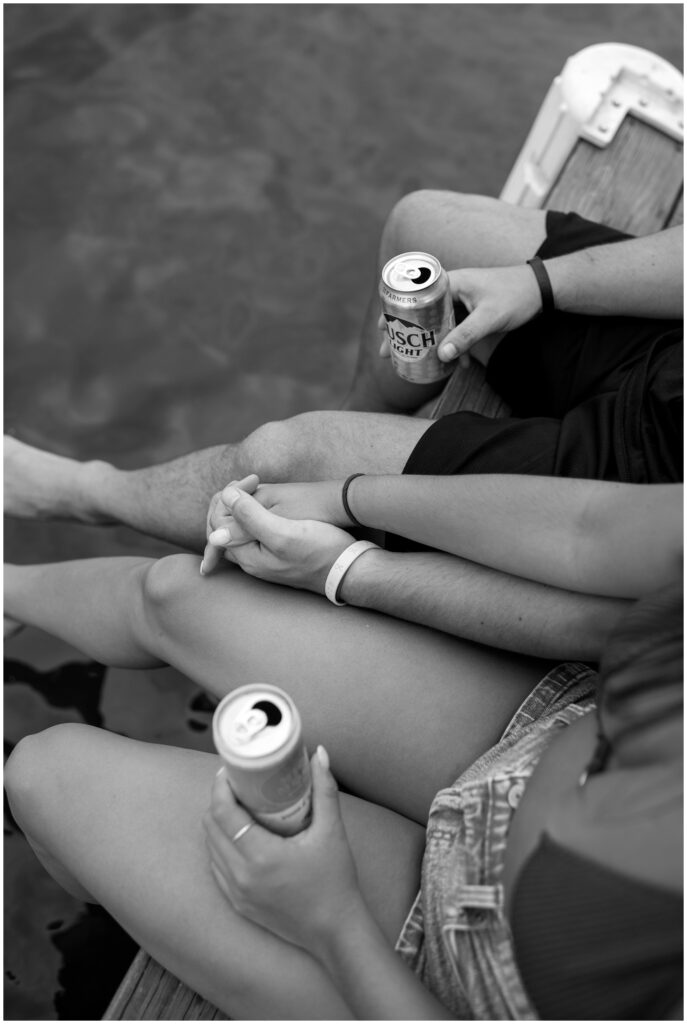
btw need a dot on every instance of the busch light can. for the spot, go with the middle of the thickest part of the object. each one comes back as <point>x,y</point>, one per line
<point>257,732</point>
<point>418,314</point>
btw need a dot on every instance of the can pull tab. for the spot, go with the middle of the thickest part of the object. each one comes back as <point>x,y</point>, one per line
<point>249,724</point>
<point>417,273</point>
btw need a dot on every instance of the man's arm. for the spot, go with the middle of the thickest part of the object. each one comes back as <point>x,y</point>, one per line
<point>482,605</point>
<point>636,277</point>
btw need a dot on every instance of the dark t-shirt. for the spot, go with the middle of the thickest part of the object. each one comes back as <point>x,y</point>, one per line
<point>594,941</point>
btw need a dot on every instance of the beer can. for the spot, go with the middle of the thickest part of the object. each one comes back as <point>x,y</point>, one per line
<point>257,733</point>
<point>418,314</point>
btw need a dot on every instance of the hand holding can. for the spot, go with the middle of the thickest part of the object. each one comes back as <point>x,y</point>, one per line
<point>417,308</point>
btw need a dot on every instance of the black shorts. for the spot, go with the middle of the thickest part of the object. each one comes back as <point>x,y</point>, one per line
<point>590,397</point>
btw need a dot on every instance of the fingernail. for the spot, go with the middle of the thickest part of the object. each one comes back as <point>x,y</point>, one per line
<point>202,568</point>
<point>449,351</point>
<point>221,536</point>
<point>230,495</point>
<point>323,757</point>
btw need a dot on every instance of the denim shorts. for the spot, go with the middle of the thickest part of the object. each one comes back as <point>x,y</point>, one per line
<point>456,936</point>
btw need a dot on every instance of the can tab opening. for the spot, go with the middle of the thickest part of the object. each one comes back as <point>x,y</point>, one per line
<point>255,719</point>
<point>417,274</point>
<point>249,724</point>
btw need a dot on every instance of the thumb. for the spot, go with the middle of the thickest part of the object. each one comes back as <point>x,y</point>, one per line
<point>469,331</point>
<point>325,792</point>
<point>260,523</point>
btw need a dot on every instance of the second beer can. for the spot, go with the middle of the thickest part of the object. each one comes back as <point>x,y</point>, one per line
<point>257,732</point>
<point>418,313</point>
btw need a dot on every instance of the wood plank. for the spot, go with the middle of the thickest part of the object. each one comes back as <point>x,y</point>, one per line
<point>149,992</point>
<point>468,391</point>
<point>677,215</point>
<point>633,184</point>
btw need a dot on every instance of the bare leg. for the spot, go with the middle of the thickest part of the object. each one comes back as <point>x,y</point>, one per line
<point>461,231</point>
<point>170,501</point>
<point>97,604</point>
<point>402,709</point>
<point>124,819</point>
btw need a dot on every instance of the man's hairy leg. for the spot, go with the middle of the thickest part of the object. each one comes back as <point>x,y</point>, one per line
<point>170,500</point>
<point>461,231</point>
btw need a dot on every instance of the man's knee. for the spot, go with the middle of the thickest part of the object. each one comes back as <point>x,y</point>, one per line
<point>412,213</point>
<point>286,450</point>
<point>463,229</point>
<point>39,770</point>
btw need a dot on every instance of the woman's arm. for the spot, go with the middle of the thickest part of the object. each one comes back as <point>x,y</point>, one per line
<point>304,888</point>
<point>372,978</point>
<point>588,536</point>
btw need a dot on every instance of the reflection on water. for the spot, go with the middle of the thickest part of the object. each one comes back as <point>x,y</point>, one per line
<point>194,197</point>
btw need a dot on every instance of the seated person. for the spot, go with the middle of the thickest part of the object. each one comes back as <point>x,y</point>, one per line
<point>562,902</point>
<point>595,389</point>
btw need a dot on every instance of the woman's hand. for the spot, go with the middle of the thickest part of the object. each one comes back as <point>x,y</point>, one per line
<point>320,501</point>
<point>296,553</point>
<point>301,887</point>
<point>498,299</point>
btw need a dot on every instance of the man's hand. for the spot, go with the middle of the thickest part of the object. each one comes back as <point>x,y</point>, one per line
<point>300,887</point>
<point>319,501</point>
<point>296,553</point>
<point>498,299</point>
<point>219,515</point>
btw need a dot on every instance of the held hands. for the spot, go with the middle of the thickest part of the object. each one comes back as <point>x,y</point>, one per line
<point>321,501</point>
<point>297,553</point>
<point>498,299</point>
<point>299,887</point>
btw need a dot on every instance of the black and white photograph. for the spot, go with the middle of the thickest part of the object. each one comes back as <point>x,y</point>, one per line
<point>343,536</point>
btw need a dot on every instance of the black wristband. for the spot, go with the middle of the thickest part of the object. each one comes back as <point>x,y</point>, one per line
<point>544,282</point>
<point>344,498</point>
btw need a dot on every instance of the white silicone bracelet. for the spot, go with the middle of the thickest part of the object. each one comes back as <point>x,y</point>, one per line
<point>341,567</point>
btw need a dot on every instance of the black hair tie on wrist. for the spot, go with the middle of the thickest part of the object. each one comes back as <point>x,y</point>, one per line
<point>344,498</point>
<point>544,282</point>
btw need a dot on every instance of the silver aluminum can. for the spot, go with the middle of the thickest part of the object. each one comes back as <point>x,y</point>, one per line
<point>257,732</point>
<point>418,313</point>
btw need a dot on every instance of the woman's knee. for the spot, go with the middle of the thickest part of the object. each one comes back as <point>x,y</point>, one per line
<point>165,585</point>
<point>40,769</point>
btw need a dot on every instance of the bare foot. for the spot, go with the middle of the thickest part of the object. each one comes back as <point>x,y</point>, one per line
<point>41,485</point>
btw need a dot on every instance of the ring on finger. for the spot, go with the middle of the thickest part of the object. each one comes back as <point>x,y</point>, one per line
<point>242,831</point>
